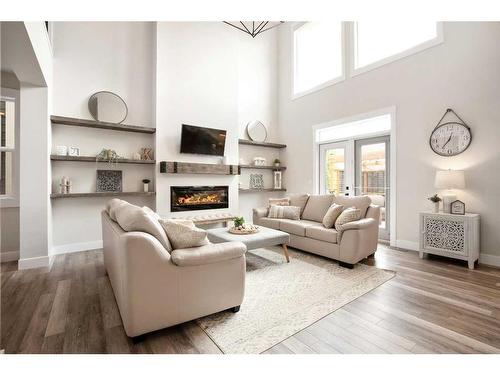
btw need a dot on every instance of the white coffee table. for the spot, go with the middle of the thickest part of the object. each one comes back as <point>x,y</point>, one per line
<point>263,238</point>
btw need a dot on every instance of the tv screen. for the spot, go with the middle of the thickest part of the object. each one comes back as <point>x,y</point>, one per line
<point>198,140</point>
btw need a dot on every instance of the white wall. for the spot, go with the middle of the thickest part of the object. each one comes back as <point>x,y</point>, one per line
<point>209,74</point>
<point>96,56</point>
<point>90,57</point>
<point>462,73</point>
<point>258,100</point>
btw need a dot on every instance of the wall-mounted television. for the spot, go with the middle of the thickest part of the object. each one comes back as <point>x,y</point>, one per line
<point>200,140</point>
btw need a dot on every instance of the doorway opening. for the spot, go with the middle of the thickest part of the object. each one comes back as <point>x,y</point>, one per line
<point>353,158</point>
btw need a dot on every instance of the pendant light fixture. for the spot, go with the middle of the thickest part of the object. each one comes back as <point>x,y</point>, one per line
<point>254,28</point>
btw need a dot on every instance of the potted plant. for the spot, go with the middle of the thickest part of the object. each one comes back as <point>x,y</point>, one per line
<point>238,222</point>
<point>146,184</point>
<point>277,162</point>
<point>435,199</point>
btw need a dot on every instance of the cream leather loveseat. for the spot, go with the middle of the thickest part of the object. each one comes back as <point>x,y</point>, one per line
<point>157,288</point>
<point>357,241</point>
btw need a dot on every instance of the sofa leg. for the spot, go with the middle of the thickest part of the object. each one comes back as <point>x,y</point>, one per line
<point>235,309</point>
<point>346,265</point>
<point>138,339</point>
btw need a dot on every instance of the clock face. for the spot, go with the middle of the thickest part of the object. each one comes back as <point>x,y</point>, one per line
<point>450,139</point>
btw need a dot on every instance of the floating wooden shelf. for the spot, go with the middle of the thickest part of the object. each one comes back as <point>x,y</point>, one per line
<point>104,194</point>
<point>260,190</point>
<point>260,144</point>
<point>70,121</point>
<point>93,159</point>
<point>248,166</point>
<point>198,168</point>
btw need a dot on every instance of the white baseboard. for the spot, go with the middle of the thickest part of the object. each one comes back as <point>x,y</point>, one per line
<point>36,262</point>
<point>76,247</point>
<point>407,245</point>
<point>9,256</point>
<point>489,260</point>
<point>486,259</point>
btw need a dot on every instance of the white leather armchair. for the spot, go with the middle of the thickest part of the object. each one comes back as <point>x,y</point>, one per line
<point>155,289</point>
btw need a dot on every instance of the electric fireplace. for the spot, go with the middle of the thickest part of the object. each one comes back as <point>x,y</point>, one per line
<point>190,198</point>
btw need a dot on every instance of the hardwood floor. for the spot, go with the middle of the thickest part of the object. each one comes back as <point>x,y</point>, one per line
<point>433,305</point>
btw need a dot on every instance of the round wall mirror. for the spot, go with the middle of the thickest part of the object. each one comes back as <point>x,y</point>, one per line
<point>106,106</point>
<point>257,131</point>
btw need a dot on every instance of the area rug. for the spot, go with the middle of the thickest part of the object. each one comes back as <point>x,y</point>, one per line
<point>283,298</point>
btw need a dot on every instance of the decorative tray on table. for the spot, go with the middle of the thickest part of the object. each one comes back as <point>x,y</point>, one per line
<point>244,229</point>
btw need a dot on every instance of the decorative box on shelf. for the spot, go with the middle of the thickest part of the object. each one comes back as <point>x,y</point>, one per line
<point>449,235</point>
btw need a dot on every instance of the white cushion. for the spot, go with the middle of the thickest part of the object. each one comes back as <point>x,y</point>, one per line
<point>348,215</point>
<point>133,218</point>
<point>332,214</point>
<point>319,232</point>
<point>361,202</point>
<point>284,212</point>
<point>184,234</point>
<point>316,207</point>
<point>279,202</point>
<point>151,212</point>
<point>299,200</point>
<point>112,205</point>
<point>297,227</point>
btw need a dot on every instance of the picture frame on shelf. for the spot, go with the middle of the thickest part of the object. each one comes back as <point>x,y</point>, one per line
<point>109,181</point>
<point>277,179</point>
<point>74,151</point>
<point>457,207</point>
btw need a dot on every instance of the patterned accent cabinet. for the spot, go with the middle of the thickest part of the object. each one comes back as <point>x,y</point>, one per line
<point>454,236</point>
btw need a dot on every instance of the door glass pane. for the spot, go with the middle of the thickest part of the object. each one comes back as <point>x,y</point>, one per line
<point>373,176</point>
<point>334,171</point>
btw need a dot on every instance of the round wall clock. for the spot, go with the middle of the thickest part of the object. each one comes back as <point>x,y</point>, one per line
<point>450,138</point>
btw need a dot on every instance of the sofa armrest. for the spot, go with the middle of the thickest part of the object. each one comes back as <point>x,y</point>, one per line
<point>358,239</point>
<point>211,253</point>
<point>359,224</point>
<point>259,213</point>
<point>373,212</point>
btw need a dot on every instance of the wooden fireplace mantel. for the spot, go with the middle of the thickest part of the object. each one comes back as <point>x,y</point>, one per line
<point>198,168</point>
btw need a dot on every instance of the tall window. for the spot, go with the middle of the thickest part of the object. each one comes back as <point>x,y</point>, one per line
<point>375,41</point>
<point>317,55</point>
<point>7,146</point>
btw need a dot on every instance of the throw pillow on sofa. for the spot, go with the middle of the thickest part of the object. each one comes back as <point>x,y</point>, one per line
<point>348,215</point>
<point>133,218</point>
<point>284,212</point>
<point>279,202</point>
<point>184,234</point>
<point>332,214</point>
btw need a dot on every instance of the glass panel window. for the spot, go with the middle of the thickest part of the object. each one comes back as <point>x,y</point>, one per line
<point>354,129</point>
<point>334,171</point>
<point>7,145</point>
<point>375,40</point>
<point>6,173</point>
<point>317,54</point>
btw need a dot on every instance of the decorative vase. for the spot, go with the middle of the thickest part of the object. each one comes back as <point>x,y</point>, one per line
<point>277,165</point>
<point>436,207</point>
<point>146,188</point>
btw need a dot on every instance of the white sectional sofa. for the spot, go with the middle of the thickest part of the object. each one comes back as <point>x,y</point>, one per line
<point>357,241</point>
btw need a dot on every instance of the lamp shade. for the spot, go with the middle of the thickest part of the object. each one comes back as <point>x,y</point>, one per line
<point>449,179</point>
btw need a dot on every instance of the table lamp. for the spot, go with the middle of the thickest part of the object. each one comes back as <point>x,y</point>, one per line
<point>449,180</point>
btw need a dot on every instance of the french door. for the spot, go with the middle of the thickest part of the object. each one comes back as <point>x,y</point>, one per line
<point>358,167</point>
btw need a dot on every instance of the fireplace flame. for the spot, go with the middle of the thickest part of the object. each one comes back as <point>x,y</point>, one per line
<point>199,199</point>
